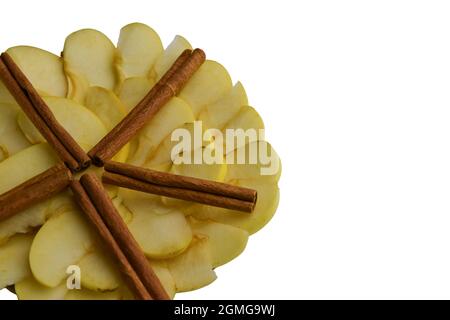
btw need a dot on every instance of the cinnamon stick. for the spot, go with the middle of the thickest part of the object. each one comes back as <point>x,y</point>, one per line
<point>37,189</point>
<point>39,113</point>
<point>123,236</point>
<point>180,187</point>
<point>129,274</point>
<point>166,88</point>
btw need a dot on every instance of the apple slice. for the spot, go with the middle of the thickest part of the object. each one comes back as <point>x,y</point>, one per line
<point>98,272</point>
<point>265,168</point>
<point>268,198</point>
<point>61,242</point>
<point>123,154</point>
<point>5,96</point>
<point>69,114</point>
<point>161,232</point>
<point>193,269</point>
<point>219,113</point>
<point>42,68</point>
<point>18,168</point>
<point>140,46</point>
<point>91,56</point>
<point>173,115</point>
<point>24,221</point>
<point>133,90</point>
<point>124,212</point>
<point>14,260</point>
<point>92,295</point>
<point>162,272</point>
<point>106,106</point>
<point>225,242</point>
<point>12,139</point>
<point>215,172</point>
<point>247,118</point>
<point>77,86</point>
<point>28,129</point>
<point>210,83</point>
<point>36,215</point>
<point>161,159</point>
<point>168,57</point>
<point>30,289</point>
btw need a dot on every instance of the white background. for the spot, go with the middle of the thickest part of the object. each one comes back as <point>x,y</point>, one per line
<point>356,100</point>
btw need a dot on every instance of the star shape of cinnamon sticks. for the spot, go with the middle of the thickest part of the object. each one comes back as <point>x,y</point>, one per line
<point>89,192</point>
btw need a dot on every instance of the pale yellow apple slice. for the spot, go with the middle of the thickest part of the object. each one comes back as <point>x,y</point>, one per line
<point>225,242</point>
<point>99,272</point>
<point>28,129</point>
<point>210,83</point>
<point>193,269</point>
<point>77,86</point>
<point>268,198</point>
<point>219,113</point>
<point>258,160</point>
<point>124,212</point>
<point>247,118</point>
<point>139,46</point>
<point>106,106</point>
<point>70,115</point>
<point>20,168</point>
<point>16,170</point>
<point>5,96</point>
<point>133,90</point>
<point>170,54</point>
<point>12,139</point>
<point>162,158</point>
<point>162,272</point>
<point>85,294</point>
<point>161,232</point>
<point>61,242</point>
<point>173,115</point>
<point>110,110</point>
<point>123,154</point>
<point>42,68</point>
<point>24,221</point>
<point>91,56</point>
<point>30,289</point>
<point>215,172</point>
<point>28,219</point>
<point>14,260</point>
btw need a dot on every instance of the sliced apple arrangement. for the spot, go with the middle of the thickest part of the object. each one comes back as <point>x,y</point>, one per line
<point>89,89</point>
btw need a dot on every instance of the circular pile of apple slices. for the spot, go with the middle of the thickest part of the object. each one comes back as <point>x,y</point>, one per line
<point>90,89</point>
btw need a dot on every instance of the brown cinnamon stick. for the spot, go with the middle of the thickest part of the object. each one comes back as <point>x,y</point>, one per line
<point>184,182</point>
<point>129,274</point>
<point>123,236</point>
<point>166,88</point>
<point>37,189</point>
<point>41,116</point>
<point>180,187</point>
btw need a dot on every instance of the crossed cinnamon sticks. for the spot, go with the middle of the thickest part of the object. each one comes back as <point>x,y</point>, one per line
<point>90,194</point>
